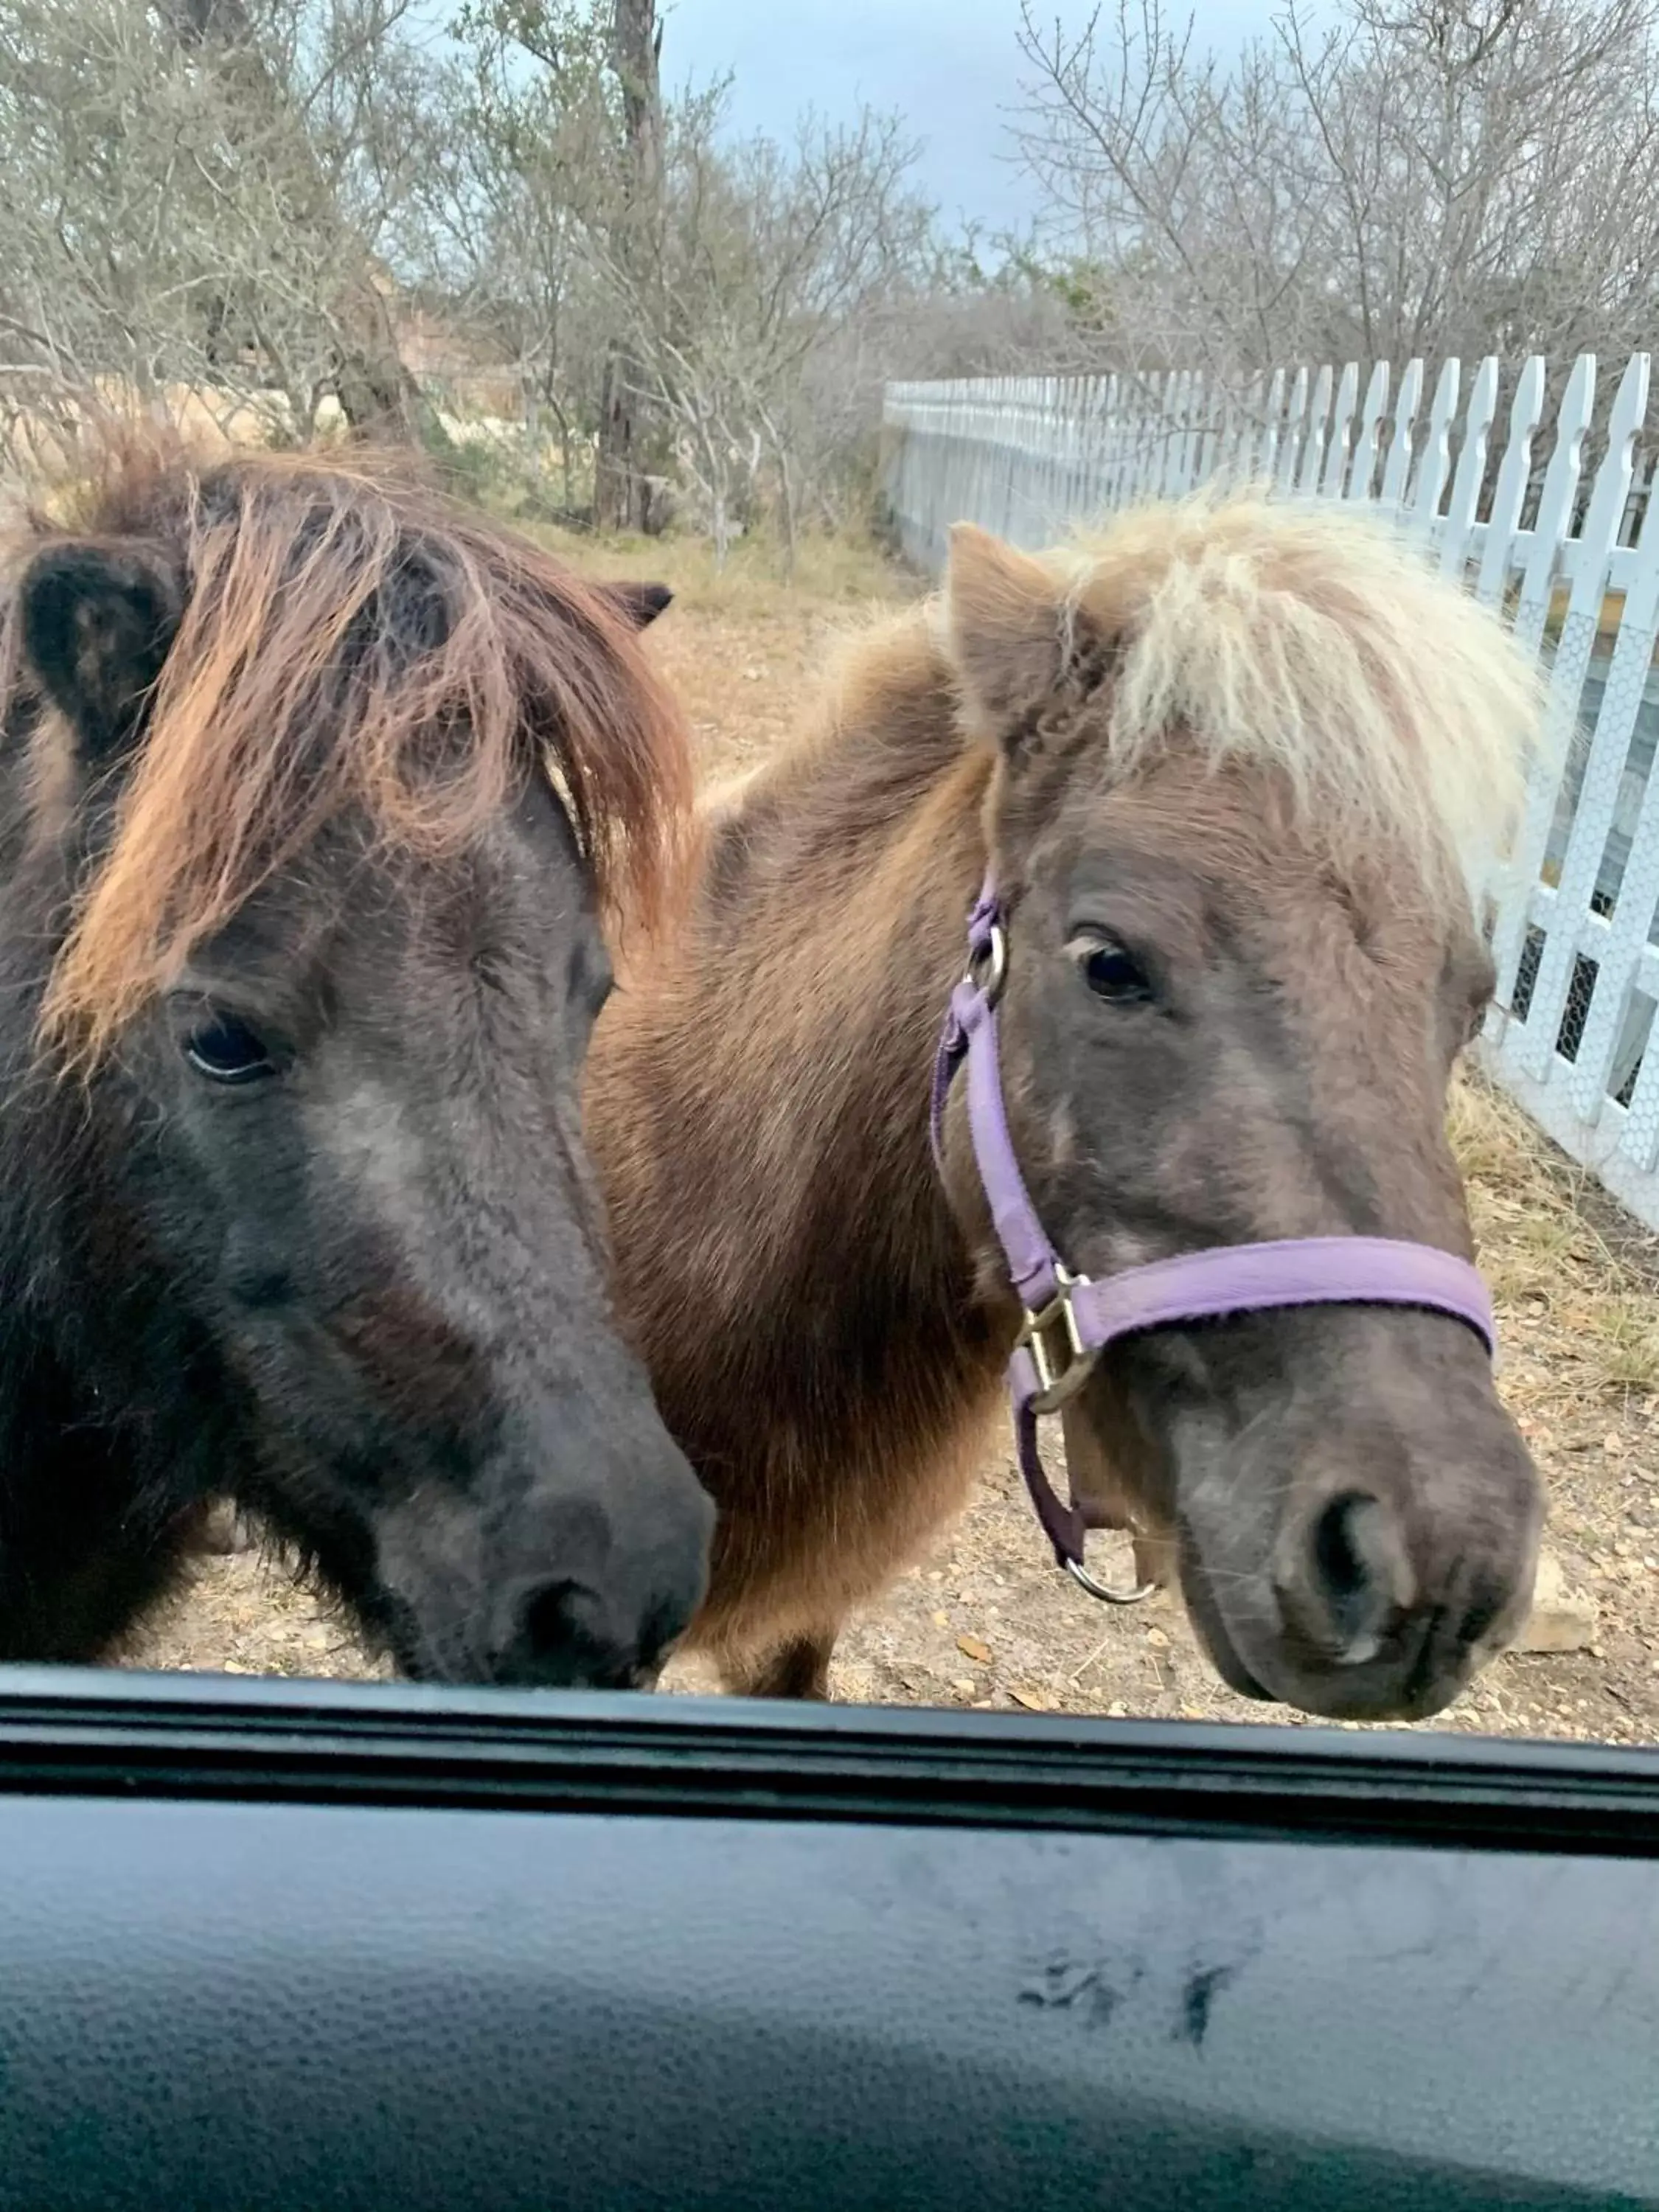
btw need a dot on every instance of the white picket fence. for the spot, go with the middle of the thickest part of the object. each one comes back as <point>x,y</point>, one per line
<point>1554,542</point>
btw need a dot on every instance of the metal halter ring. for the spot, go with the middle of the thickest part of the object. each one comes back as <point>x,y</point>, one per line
<point>989,980</point>
<point>1085,1580</point>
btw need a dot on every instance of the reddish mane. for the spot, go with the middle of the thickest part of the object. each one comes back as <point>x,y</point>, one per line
<point>351,640</point>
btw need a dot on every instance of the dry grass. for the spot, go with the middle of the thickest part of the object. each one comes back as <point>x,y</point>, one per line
<point>1553,1247</point>
<point>829,571</point>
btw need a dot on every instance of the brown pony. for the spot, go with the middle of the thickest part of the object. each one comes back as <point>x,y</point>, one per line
<point>1233,764</point>
<point>315,795</point>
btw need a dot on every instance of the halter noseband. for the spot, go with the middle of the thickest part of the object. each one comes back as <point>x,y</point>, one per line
<point>1070,1321</point>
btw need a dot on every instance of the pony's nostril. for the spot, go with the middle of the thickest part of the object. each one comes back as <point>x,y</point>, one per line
<point>563,1632</point>
<point>1338,1560</point>
<point>1359,1577</point>
<point>559,1635</point>
<point>549,1618</point>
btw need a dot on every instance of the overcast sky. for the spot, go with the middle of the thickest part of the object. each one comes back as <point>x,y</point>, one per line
<point>951,66</point>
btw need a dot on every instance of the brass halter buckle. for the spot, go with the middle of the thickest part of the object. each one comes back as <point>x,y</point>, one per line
<point>1063,1367</point>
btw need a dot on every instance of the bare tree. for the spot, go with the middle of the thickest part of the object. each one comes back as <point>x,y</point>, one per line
<point>194,201</point>
<point>1420,177</point>
<point>766,260</point>
<point>679,296</point>
<point>559,171</point>
<point>223,201</point>
<point>323,87</point>
<point>500,221</point>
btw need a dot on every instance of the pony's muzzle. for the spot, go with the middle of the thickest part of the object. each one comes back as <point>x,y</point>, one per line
<point>1388,1600</point>
<point>606,1591</point>
<point>565,1582</point>
<point>1361,1553</point>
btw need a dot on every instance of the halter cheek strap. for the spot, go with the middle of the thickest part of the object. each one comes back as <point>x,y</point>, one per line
<point>1070,1320</point>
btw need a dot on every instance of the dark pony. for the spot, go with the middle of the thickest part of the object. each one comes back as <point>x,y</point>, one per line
<point>1230,770</point>
<point>318,802</point>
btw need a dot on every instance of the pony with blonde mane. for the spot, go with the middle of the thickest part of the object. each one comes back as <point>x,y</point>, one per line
<point>318,797</point>
<point>1234,768</point>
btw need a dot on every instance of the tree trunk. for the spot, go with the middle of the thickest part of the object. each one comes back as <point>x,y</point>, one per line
<point>787,507</point>
<point>637,59</point>
<point>619,487</point>
<point>567,457</point>
<point>530,413</point>
<point>381,400</point>
<point>373,396</point>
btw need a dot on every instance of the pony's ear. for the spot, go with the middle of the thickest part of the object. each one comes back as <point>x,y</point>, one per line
<point>639,603</point>
<point>1007,625</point>
<point>96,623</point>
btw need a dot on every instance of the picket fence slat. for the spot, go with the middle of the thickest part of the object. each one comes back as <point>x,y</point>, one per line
<point>1372,411</point>
<point>1570,662</point>
<point>1434,462</point>
<point>1296,430</point>
<point>1400,448</point>
<point>1543,515</point>
<point>1263,462</point>
<point>1333,483</point>
<point>1319,417</point>
<point>1515,474</point>
<point>1471,471</point>
<point>1582,867</point>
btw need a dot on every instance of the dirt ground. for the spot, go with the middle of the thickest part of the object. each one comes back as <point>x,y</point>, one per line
<point>987,1621</point>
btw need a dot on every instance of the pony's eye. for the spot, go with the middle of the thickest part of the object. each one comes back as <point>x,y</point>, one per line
<point>227,1050</point>
<point>1113,973</point>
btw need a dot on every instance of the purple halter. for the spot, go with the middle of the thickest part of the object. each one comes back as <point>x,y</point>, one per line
<point>1070,1321</point>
